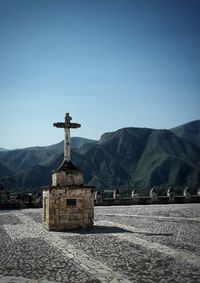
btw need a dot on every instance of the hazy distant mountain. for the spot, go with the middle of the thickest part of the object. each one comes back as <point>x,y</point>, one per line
<point>3,149</point>
<point>141,157</point>
<point>77,142</point>
<point>20,159</point>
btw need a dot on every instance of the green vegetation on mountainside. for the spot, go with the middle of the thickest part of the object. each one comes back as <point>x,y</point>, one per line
<point>140,157</point>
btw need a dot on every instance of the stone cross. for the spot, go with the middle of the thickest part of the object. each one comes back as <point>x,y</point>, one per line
<point>67,125</point>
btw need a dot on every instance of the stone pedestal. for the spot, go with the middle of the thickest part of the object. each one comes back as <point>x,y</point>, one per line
<point>68,208</point>
<point>67,174</point>
<point>68,204</point>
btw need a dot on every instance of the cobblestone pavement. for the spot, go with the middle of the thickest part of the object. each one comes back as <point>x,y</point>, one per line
<point>154,243</point>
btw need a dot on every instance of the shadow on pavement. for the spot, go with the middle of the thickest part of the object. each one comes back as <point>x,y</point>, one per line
<point>97,229</point>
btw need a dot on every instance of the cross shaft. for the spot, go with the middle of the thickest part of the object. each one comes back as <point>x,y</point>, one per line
<point>67,125</point>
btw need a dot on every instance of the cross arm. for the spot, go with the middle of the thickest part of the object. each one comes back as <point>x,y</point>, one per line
<point>59,125</point>
<point>73,125</point>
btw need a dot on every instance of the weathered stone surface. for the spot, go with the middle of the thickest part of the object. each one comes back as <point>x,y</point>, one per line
<point>68,208</point>
<point>63,179</point>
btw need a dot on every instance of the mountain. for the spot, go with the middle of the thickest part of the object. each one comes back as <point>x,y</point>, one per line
<point>78,142</point>
<point>3,149</point>
<point>5,171</point>
<point>32,178</point>
<point>111,161</point>
<point>167,159</point>
<point>138,157</point>
<point>142,158</point>
<point>189,132</point>
<point>20,159</point>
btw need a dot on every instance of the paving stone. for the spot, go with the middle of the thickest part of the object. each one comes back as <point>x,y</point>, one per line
<point>155,243</point>
<point>9,218</point>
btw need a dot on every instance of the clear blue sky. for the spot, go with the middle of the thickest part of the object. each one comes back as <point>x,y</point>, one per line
<point>109,63</point>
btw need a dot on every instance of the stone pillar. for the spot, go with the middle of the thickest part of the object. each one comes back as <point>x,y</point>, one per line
<point>171,194</point>
<point>187,194</point>
<point>67,145</point>
<point>153,195</point>
<point>135,196</point>
<point>116,194</point>
<point>97,197</point>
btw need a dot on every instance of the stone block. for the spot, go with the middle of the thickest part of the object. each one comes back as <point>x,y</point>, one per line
<point>76,214</point>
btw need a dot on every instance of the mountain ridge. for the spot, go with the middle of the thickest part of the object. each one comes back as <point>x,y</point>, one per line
<point>189,132</point>
<point>137,157</point>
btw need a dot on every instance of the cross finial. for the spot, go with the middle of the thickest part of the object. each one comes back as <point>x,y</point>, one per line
<point>67,118</point>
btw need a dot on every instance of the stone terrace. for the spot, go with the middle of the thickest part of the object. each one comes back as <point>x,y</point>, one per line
<point>155,243</point>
